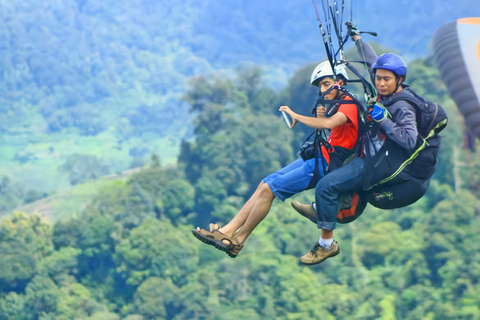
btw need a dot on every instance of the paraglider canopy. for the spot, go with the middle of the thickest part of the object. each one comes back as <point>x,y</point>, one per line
<point>456,47</point>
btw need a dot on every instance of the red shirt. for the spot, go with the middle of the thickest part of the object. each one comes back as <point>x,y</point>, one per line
<point>346,135</point>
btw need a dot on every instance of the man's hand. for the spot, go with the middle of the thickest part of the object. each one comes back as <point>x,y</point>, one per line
<point>379,112</point>
<point>294,122</point>
<point>291,114</point>
<point>287,110</point>
<point>353,32</point>
<point>321,111</point>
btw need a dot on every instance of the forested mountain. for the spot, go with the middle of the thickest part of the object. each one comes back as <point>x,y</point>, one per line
<point>186,93</point>
<point>100,82</point>
<point>130,254</point>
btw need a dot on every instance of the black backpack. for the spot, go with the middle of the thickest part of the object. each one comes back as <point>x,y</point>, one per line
<point>431,117</point>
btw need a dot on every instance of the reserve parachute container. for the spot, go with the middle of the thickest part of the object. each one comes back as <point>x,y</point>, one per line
<point>456,47</point>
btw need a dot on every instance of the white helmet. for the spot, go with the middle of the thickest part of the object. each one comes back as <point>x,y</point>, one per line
<point>324,69</point>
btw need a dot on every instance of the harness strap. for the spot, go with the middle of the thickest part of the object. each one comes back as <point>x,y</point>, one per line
<point>415,153</point>
<point>319,141</point>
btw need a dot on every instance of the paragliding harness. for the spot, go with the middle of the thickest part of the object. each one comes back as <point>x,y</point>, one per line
<point>393,177</point>
<point>352,205</point>
<point>394,170</point>
<point>338,155</point>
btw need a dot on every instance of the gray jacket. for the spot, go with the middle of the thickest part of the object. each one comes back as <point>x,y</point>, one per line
<point>402,129</point>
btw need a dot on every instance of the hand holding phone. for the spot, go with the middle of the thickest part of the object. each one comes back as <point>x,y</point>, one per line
<point>286,113</point>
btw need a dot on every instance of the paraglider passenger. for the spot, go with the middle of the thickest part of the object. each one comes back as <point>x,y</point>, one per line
<point>296,176</point>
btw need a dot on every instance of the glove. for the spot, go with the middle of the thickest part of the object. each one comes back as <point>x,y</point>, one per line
<point>379,112</point>
<point>353,32</point>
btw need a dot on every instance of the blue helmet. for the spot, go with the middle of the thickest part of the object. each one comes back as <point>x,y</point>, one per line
<point>391,62</point>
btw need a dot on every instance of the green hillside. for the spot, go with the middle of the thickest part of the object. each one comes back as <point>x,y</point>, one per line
<point>126,252</point>
<point>90,89</point>
<point>90,80</point>
<point>125,124</point>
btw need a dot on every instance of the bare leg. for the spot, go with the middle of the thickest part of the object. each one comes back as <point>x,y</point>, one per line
<point>242,215</point>
<point>258,212</point>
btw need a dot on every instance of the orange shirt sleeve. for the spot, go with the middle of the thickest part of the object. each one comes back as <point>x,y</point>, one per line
<point>350,111</point>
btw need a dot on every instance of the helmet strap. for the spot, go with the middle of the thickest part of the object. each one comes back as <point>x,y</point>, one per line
<point>399,83</point>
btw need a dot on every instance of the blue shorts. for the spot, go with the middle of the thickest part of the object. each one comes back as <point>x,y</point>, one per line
<point>294,178</point>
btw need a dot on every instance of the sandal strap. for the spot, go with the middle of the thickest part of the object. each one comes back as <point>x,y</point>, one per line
<point>217,236</point>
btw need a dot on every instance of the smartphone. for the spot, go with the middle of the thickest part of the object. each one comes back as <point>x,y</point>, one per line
<point>287,119</point>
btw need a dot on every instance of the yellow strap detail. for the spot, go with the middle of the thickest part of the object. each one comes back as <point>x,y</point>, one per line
<point>415,154</point>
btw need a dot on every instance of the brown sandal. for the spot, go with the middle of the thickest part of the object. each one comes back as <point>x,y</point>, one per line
<point>233,248</point>
<point>215,238</point>
<point>202,234</point>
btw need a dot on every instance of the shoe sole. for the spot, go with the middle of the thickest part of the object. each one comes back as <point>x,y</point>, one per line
<point>301,212</point>
<point>336,253</point>
<point>217,244</point>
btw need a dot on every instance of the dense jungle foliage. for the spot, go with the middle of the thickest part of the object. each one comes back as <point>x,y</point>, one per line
<point>130,254</point>
<point>124,124</point>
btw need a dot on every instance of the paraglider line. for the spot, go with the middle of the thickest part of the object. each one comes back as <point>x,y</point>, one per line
<point>316,12</point>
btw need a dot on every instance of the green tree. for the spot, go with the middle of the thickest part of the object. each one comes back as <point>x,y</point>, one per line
<point>12,306</point>
<point>156,249</point>
<point>177,200</point>
<point>83,168</point>
<point>59,263</point>
<point>41,297</point>
<point>24,242</point>
<point>238,140</point>
<point>157,298</point>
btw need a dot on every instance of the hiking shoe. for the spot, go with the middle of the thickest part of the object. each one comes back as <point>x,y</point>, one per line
<point>306,210</point>
<point>318,254</point>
